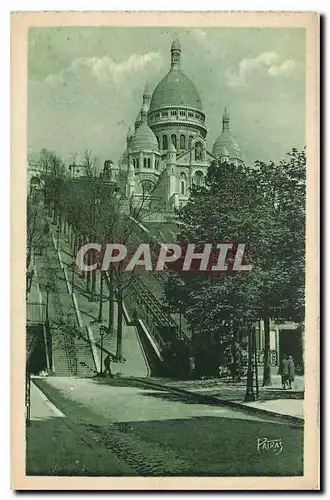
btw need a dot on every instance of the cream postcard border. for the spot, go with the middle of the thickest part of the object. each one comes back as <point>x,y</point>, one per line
<point>20,22</point>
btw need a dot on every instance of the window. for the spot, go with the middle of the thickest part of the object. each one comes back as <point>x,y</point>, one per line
<point>182,112</point>
<point>158,140</point>
<point>190,114</point>
<point>183,180</point>
<point>147,186</point>
<point>145,162</point>
<point>156,164</point>
<point>198,151</point>
<point>182,141</point>
<point>134,163</point>
<point>164,141</point>
<point>173,112</point>
<point>199,178</point>
<point>173,139</point>
<point>164,114</point>
<point>149,163</point>
<point>137,163</point>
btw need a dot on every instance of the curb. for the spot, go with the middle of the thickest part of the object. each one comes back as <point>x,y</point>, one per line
<point>56,411</point>
<point>211,400</point>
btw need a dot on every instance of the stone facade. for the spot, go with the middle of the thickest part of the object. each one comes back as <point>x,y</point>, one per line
<point>167,152</point>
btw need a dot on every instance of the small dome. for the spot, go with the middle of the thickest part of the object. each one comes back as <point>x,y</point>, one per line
<point>144,139</point>
<point>176,89</point>
<point>224,151</point>
<point>226,145</point>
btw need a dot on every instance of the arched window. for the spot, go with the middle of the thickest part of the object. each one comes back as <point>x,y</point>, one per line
<point>198,151</point>
<point>173,139</point>
<point>145,162</point>
<point>147,186</point>
<point>164,141</point>
<point>137,163</point>
<point>134,163</point>
<point>182,141</point>
<point>149,163</point>
<point>183,180</point>
<point>199,178</point>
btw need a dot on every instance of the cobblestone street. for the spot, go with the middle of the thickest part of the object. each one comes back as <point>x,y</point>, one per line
<point>152,432</point>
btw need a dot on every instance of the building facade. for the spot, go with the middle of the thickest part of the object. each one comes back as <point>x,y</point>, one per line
<point>167,152</point>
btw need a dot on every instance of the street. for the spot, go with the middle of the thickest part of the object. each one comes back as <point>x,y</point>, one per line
<point>124,429</point>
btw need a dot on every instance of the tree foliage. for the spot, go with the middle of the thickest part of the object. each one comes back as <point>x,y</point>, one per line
<point>263,207</point>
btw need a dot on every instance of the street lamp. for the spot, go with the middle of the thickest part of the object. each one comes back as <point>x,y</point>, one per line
<point>73,265</point>
<point>99,319</point>
<point>103,331</point>
<point>58,236</point>
<point>47,302</point>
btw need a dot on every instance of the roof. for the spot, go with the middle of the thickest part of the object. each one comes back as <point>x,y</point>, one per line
<point>175,89</point>
<point>227,145</point>
<point>143,139</point>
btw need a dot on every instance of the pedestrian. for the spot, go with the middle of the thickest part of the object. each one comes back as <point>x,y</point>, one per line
<point>284,371</point>
<point>192,366</point>
<point>290,371</point>
<point>107,367</point>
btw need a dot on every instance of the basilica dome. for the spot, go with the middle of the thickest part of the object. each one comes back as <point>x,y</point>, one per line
<point>143,139</point>
<point>175,89</point>
<point>226,144</point>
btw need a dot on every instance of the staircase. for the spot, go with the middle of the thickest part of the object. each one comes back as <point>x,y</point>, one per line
<point>63,359</point>
<point>85,366</point>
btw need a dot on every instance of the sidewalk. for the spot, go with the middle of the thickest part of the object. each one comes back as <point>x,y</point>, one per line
<point>57,446</point>
<point>135,362</point>
<point>272,399</point>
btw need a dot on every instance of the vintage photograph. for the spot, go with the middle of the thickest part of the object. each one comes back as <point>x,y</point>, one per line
<point>165,255</point>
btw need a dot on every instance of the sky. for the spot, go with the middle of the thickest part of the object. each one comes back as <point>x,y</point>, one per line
<point>86,85</point>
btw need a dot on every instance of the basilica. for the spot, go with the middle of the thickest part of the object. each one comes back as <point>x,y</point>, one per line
<point>167,153</point>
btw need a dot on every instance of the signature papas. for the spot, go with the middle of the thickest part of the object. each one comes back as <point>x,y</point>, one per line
<point>275,445</point>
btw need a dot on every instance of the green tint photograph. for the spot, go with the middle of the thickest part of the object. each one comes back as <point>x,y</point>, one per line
<point>165,251</point>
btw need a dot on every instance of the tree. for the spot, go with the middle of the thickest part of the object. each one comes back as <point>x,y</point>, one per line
<point>97,211</point>
<point>53,172</point>
<point>35,233</point>
<point>262,207</point>
<point>280,263</point>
